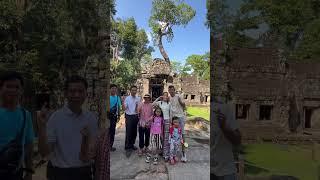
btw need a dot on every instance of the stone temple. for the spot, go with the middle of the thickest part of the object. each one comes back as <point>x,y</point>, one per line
<point>273,95</point>
<point>158,76</point>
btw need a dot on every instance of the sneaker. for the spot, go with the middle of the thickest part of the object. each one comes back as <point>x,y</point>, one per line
<point>113,149</point>
<point>148,159</point>
<point>184,158</point>
<point>140,152</point>
<point>155,160</point>
<point>134,148</point>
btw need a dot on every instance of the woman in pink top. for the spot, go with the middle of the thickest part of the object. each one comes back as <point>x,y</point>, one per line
<point>145,110</point>
<point>156,134</point>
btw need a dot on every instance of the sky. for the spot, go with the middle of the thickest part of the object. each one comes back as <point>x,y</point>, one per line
<point>193,39</point>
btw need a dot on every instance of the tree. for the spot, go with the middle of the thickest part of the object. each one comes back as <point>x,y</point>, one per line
<point>131,41</point>
<point>49,39</point>
<point>179,68</point>
<point>131,48</point>
<point>199,65</point>
<point>232,25</point>
<point>164,15</point>
<point>289,23</point>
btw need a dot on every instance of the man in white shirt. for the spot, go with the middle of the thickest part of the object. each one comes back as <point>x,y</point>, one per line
<point>130,105</point>
<point>177,109</point>
<point>225,135</point>
<point>69,134</point>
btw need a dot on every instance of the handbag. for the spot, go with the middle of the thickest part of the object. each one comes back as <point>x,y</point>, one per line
<point>11,156</point>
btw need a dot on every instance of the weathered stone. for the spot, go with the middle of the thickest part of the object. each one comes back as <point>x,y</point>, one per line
<point>258,77</point>
<point>157,77</point>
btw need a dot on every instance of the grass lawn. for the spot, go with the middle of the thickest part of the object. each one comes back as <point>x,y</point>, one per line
<point>203,112</point>
<point>268,159</point>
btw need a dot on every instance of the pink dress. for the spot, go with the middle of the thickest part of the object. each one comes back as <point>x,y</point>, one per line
<point>156,126</point>
<point>156,133</point>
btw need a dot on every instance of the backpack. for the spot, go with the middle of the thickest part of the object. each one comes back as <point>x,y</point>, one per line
<point>11,156</point>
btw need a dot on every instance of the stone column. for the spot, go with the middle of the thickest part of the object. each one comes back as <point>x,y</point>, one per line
<point>146,84</point>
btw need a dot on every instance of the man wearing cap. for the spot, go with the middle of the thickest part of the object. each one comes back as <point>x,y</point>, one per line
<point>130,105</point>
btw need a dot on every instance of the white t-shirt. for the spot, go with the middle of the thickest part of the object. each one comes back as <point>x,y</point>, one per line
<point>222,149</point>
<point>176,108</point>
<point>131,103</point>
<point>165,107</point>
<point>63,130</point>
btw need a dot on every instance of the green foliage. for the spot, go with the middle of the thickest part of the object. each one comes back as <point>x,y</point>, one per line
<point>281,160</point>
<point>45,39</point>
<point>133,50</point>
<point>310,45</point>
<point>292,24</point>
<point>203,112</point>
<point>133,42</point>
<point>200,66</point>
<point>170,13</point>
<point>174,12</point>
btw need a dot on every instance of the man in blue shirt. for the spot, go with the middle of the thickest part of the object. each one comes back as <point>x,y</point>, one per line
<point>13,120</point>
<point>115,106</point>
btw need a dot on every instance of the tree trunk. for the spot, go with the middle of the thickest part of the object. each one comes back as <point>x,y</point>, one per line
<point>162,51</point>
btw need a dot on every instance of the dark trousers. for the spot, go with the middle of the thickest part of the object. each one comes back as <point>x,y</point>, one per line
<point>131,130</point>
<point>144,137</point>
<point>112,131</point>
<point>81,173</point>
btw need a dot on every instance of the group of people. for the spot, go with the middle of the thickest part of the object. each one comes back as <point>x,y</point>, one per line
<point>77,148</point>
<point>70,137</point>
<point>160,124</point>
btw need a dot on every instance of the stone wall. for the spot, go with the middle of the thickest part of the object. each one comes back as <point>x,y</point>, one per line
<point>259,78</point>
<point>188,86</point>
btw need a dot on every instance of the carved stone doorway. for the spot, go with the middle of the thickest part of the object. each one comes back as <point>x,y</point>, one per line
<point>156,87</point>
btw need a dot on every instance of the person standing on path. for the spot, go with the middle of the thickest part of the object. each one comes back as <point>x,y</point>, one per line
<point>177,109</point>
<point>146,114</point>
<point>164,103</point>
<point>130,105</point>
<point>115,107</point>
<point>226,135</point>
<point>156,135</point>
<point>69,135</point>
<point>175,140</point>
<point>16,130</point>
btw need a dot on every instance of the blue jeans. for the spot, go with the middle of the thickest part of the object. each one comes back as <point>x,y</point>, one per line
<point>226,177</point>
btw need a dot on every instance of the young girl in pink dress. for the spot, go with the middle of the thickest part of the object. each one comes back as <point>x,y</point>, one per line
<point>156,135</point>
